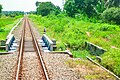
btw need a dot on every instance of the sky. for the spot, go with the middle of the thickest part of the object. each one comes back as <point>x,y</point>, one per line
<point>24,5</point>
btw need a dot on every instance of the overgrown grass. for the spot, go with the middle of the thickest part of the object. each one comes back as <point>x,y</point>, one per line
<point>6,24</point>
<point>87,70</point>
<point>80,53</point>
<point>2,50</point>
<point>73,32</point>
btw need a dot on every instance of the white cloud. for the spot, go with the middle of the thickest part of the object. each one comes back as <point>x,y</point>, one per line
<point>24,5</point>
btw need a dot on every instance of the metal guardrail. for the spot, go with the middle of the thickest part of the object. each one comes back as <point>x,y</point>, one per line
<point>103,68</point>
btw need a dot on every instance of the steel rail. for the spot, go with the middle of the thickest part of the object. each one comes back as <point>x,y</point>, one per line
<point>39,52</point>
<point>21,49</point>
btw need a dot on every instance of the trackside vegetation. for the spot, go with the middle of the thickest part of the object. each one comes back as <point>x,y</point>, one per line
<point>96,21</point>
<point>71,33</point>
<point>6,24</point>
<point>0,10</point>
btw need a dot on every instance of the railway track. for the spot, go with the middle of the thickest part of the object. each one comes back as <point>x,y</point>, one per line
<point>30,65</point>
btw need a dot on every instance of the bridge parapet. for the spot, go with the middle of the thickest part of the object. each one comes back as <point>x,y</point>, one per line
<point>51,44</point>
<point>9,42</point>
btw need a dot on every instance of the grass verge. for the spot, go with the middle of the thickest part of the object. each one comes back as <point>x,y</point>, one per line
<point>72,33</point>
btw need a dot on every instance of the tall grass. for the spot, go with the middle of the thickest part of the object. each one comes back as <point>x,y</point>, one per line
<point>72,33</point>
<point>6,24</point>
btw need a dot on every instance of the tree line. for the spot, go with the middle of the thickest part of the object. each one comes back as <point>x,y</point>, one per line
<point>0,9</point>
<point>89,7</point>
<point>10,13</point>
<point>108,10</point>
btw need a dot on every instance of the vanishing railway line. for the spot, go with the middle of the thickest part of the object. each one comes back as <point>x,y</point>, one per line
<point>60,66</point>
<point>30,63</point>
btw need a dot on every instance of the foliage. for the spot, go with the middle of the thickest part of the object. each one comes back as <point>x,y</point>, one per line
<point>45,8</point>
<point>12,13</point>
<point>90,70</point>
<point>70,8</point>
<point>6,24</point>
<point>100,7</point>
<point>112,61</point>
<point>31,12</point>
<point>0,9</point>
<point>112,15</point>
<point>112,3</point>
<point>71,33</point>
<point>89,7</point>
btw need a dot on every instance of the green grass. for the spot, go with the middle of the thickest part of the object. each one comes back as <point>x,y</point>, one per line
<point>2,50</point>
<point>80,53</point>
<point>87,70</point>
<point>6,24</point>
<point>72,33</point>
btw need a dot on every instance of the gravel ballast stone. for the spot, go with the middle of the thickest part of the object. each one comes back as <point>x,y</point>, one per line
<point>61,66</point>
<point>7,66</point>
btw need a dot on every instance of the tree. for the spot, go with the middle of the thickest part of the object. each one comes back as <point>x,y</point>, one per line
<point>45,8</point>
<point>70,8</point>
<point>88,7</point>
<point>100,6</point>
<point>112,3</point>
<point>0,9</point>
<point>37,4</point>
<point>112,15</point>
<point>12,13</point>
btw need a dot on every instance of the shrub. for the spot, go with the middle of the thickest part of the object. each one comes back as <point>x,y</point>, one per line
<point>112,61</point>
<point>112,15</point>
<point>107,28</point>
<point>2,30</point>
<point>71,33</point>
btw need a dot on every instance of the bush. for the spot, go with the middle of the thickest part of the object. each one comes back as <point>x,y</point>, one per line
<point>112,15</point>
<point>112,61</point>
<point>107,28</point>
<point>2,30</point>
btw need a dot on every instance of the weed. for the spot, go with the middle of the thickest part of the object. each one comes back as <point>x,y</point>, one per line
<point>71,33</point>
